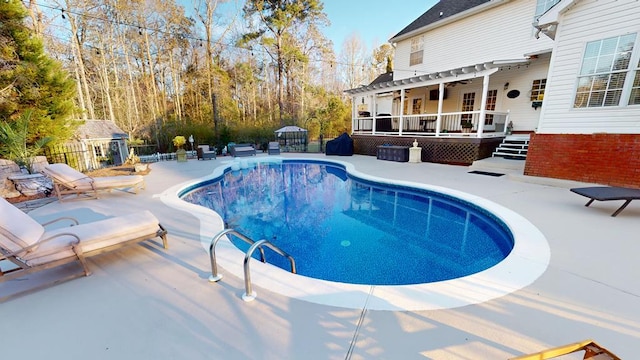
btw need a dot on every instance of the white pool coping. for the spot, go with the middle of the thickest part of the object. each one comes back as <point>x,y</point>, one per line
<point>528,259</point>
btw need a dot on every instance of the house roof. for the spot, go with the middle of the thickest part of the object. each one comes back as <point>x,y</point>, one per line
<point>382,78</point>
<point>442,10</point>
<point>450,75</point>
<point>100,129</point>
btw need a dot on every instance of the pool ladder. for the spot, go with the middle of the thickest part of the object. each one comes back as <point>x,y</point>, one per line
<point>215,277</point>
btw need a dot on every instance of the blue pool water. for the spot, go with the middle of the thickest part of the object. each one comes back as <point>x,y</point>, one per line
<point>345,229</point>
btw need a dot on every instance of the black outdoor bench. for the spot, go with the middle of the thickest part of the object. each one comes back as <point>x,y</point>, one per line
<point>608,193</point>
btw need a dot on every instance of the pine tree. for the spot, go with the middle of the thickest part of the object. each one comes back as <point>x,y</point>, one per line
<point>30,81</point>
<point>278,18</point>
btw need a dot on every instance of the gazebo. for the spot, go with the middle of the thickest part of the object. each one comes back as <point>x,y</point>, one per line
<point>292,138</point>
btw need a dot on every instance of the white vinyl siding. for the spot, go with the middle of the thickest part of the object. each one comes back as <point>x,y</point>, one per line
<point>584,22</point>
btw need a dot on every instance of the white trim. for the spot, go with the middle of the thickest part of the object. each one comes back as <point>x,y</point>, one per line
<point>552,15</point>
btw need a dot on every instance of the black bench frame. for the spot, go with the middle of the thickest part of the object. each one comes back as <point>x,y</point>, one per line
<point>608,193</point>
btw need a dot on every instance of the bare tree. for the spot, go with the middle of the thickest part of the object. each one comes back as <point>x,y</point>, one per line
<point>354,61</point>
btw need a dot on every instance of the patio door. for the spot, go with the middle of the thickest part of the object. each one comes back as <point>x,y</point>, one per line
<point>492,95</point>
<point>468,103</point>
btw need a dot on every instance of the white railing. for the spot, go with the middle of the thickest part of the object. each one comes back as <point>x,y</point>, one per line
<point>450,124</point>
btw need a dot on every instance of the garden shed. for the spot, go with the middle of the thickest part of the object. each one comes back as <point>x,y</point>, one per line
<point>292,138</point>
<point>96,143</point>
<point>106,140</point>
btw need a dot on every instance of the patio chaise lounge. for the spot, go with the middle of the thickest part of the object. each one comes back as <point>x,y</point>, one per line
<point>30,247</point>
<point>69,181</point>
<point>608,193</point>
<point>591,351</point>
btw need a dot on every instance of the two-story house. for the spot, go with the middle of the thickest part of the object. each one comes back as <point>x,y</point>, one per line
<point>466,73</point>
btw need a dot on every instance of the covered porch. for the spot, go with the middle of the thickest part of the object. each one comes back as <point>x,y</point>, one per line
<point>461,102</point>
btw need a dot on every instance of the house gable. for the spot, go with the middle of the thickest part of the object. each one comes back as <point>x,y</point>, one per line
<point>494,30</point>
<point>444,9</point>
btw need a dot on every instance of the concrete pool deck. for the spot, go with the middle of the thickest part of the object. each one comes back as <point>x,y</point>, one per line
<point>143,302</point>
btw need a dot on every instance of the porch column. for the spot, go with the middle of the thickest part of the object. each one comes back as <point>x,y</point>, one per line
<point>483,104</point>
<point>373,112</point>
<point>440,101</point>
<point>354,115</point>
<point>401,120</point>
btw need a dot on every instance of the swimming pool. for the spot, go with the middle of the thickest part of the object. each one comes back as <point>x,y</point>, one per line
<point>342,228</point>
<point>527,260</point>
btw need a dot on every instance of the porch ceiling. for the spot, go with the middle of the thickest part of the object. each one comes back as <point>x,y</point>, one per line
<point>456,74</point>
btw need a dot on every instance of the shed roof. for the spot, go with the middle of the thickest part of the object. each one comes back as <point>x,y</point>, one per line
<point>100,129</point>
<point>442,10</point>
<point>287,129</point>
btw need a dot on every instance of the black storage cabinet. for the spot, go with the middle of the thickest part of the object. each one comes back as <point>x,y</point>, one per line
<point>393,153</point>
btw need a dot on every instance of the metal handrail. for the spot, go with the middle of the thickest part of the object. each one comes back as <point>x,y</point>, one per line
<point>249,294</point>
<point>215,277</point>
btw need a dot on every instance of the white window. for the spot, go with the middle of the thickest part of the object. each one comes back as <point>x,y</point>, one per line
<point>543,5</point>
<point>417,50</point>
<point>634,99</point>
<point>417,106</point>
<point>537,89</point>
<point>492,98</point>
<point>605,67</point>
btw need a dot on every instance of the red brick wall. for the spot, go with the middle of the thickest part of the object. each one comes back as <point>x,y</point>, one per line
<point>610,159</point>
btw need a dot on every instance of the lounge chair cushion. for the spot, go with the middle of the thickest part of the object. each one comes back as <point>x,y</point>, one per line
<point>77,180</point>
<point>243,150</point>
<point>93,236</point>
<point>70,176</point>
<point>117,181</point>
<point>17,229</point>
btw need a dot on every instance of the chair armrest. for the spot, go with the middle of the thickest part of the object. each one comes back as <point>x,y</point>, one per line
<point>26,249</point>
<point>73,220</point>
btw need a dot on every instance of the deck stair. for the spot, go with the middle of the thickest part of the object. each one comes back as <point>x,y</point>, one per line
<point>513,147</point>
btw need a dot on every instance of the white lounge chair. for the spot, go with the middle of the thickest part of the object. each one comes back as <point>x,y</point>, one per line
<point>30,247</point>
<point>69,181</point>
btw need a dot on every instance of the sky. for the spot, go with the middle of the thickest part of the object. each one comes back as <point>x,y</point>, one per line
<point>375,21</point>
